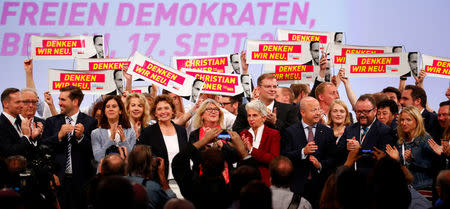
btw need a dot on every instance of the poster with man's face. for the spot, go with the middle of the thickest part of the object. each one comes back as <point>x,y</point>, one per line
<point>113,64</point>
<point>66,47</point>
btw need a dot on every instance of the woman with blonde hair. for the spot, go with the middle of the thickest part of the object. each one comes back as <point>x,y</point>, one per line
<point>138,111</point>
<point>338,118</point>
<point>414,148</point>
<point>209,117</point>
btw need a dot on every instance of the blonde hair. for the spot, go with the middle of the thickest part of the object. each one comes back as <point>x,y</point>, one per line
<point>420,128</point>
<point>347,115</point>
<point>197,122</point>
<point>145,118</point>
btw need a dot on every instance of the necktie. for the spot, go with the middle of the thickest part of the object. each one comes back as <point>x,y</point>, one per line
<point>18,124</point>
<point>364,134</point>
<point>310,134</point>
<point>69,148</point>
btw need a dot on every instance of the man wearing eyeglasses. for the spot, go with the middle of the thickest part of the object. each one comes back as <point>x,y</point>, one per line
<point>366,134</point>
<point>231,104</point>
<point>30,101</point>
<point>281,115</point>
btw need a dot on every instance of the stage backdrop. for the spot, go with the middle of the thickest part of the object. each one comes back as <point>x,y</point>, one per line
<point>162,29</point>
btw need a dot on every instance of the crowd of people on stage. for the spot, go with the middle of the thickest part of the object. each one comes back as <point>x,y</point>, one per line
<point>283,147</point>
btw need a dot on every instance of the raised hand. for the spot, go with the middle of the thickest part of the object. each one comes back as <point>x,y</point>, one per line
<point>393,152</point>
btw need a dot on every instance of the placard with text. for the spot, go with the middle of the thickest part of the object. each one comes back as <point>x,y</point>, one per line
<point>66,47</point>
<point>90,82</point>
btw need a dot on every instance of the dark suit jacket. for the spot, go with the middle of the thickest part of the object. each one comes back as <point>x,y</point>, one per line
<point>152,136</point>
<point>287,115</point>
<point>269,148</point>
<point>10,141</point>
<point>379,135</point>
<point>82,157</point>
<point>432,125</point>
<point>294,140</point>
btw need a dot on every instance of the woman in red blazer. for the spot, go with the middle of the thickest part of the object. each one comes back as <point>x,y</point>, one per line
<point>262,142</point>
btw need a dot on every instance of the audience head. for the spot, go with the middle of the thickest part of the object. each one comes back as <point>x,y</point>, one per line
<point>241,177</point>
<point>12,101</point>
<point>230,103</point>
<point>310,110</point>
<point>114,192</point>
<point>410,124</point>
<point>443,185</point>
<point>285,95</point>
<point>329,196</point>
<point>30,100</point>
<point>255,195</point>
<point>113,109</point>
<point>163,108</point>
<point>175,203</point>
<point>387,111</point>
<point>267,85</point>
<point>300,91</point>
<point>256,113</point>
<point>393,94</point>
<point>141,162</point>
<point>140,197</point>
<point>444,113</point>
<point>380,96</point>
<point>70,99</point>
<point>138,108</point>
<point>387,185</point>
<point>112,164</point>
<point>338,113</point>
<point>349,187</point>
<point>212,162</point>
<point>209,112</point>
<point>414,95</point>
<point>326,93</point>
<point>365,110</point>
<point>97,111</point>
<point>281,172</point>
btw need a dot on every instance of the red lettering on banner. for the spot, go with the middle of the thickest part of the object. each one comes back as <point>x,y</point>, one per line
<point>280,48</point>
<point>307,37</point>
<point>60,84</point>
<point>217,83</point>
<point>78,77</point>
<point>93,66</point>
<point>341,59</point>
<point>439,67</point>
<point>214,64</point>
<point>158,74</point>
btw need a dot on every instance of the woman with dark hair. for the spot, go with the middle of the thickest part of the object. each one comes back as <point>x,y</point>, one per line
<point>97,112</point>
<point>114,129</point>
<point>165,137</point>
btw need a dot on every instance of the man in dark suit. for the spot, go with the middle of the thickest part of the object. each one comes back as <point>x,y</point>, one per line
<point>30,100</point>
<point>416,96</point>
<point>16,135</point>
<point>281,115</point>
<point>69,135</point>
<point>366,134</point>
<point>311,147</point>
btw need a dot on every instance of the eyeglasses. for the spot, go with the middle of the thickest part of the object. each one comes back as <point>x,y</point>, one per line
<point>226,103</point>
<point>365,112</point>
<point>212,109</point>
<point>30,101</point>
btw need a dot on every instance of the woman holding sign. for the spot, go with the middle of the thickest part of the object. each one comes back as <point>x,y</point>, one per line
<point>114,132</point>
<point>413,147</point>
<point>262,142</point>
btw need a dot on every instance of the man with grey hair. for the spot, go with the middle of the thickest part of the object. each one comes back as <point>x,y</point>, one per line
<point>30,100</point>
<point>310,146</point>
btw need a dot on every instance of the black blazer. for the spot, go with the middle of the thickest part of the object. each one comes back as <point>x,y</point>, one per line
<point>152,135</point>
<point>82,157</point>
<point>292,143</point>
<point>10,141</point>
<point>287,115</point>
<point>432,125</point>
<point>379,135</point>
